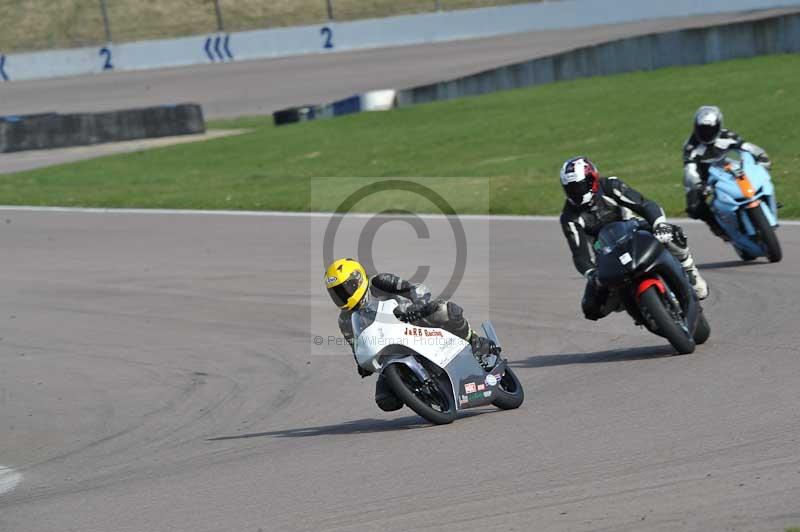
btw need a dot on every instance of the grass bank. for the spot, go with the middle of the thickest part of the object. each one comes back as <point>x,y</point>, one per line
<point>632,126</point>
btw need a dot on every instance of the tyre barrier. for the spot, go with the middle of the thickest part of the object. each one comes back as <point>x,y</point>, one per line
<point>293,115</point>
<point>54,130</point>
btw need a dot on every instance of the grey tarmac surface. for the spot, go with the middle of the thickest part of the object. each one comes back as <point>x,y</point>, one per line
<point>157,375</point>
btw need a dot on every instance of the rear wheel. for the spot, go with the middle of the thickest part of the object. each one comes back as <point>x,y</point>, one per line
<point>428,399</point>
<point>509,392</point>
<point>666,320</point>
<point>766,234</point>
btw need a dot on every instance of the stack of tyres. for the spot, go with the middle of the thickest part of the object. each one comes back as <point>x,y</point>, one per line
<point>53,130</point>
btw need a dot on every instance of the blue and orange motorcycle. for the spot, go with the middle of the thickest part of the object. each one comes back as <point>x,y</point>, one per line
<point>745,205</point>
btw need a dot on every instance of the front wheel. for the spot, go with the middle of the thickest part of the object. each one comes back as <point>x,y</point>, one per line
<point>428,399</point>
<point>666,321</point>
<point>766,234</point>
<point>509,392</point>
<point>703,329</point>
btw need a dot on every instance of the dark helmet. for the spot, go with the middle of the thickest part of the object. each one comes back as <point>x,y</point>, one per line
<point>707,124</point>
<point>580,179</point>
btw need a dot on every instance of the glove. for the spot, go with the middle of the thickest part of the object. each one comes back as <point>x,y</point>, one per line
<point>484,346</point>
<point>664,232</point>
<point>363,372</point>
<point>412,313</point>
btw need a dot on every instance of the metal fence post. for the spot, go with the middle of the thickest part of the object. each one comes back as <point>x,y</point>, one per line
<point>330,9</point>
<point>220,21</point>
<point>106,19</point>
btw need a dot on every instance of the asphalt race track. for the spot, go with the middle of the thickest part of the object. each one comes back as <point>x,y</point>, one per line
<point>260,87</point>
<point>157,375</point>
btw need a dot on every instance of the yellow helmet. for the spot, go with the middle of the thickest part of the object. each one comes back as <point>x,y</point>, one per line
<point>347,282</point>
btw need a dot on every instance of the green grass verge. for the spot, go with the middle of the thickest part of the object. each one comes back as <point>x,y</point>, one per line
<point>632,126</point>
<point>796,529</point>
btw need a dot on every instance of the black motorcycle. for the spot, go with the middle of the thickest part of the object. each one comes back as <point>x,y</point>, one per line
<point>651,284</point>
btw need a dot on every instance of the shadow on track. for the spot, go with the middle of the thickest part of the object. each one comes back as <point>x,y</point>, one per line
<point>614,355</point>
<point>728,264</point>
<point>358,426</point>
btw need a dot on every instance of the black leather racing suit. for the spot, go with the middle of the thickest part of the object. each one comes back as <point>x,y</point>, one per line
<point>614,201</point>
<point>410,297</point>
<point>697,158</point>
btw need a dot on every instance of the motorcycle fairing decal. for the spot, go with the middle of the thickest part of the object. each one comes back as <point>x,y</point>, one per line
<point>387,330</point>
<point>647,283</point>
<point>471,384</point>
<point>745,186</point>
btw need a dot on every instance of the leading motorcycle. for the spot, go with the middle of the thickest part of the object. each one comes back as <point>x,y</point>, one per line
<point>430,370</point>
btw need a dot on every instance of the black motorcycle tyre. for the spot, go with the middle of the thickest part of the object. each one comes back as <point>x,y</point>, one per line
<point>766,233</point>
<point>651,301</point>
<point>394,378</point>
<point>703,329</point>
<point>510,394</point>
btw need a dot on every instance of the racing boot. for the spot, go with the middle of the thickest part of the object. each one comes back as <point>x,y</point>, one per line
<point>698,283</point>
<point>485,351</point>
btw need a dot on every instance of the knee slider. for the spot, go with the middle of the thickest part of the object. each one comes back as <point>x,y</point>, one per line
<point>454,311</point>
<point>590,311</point>
<point>389,403</point>
<point>678,236</point>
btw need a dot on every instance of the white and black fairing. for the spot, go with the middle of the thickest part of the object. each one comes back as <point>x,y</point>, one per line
<point>472,385</point>
<point>432,354</point>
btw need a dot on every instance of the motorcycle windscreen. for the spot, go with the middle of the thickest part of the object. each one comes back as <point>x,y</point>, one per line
<point>613,251</point>
<point>614,235</point>
<point>645,250</point>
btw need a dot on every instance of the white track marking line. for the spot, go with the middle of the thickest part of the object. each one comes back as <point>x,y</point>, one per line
<point>291,214</point>
<point>255,214</point>
<point>8,479</point>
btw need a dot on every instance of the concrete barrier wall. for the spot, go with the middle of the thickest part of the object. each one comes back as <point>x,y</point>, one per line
<point>342,36</point>
<point>684,47</point>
